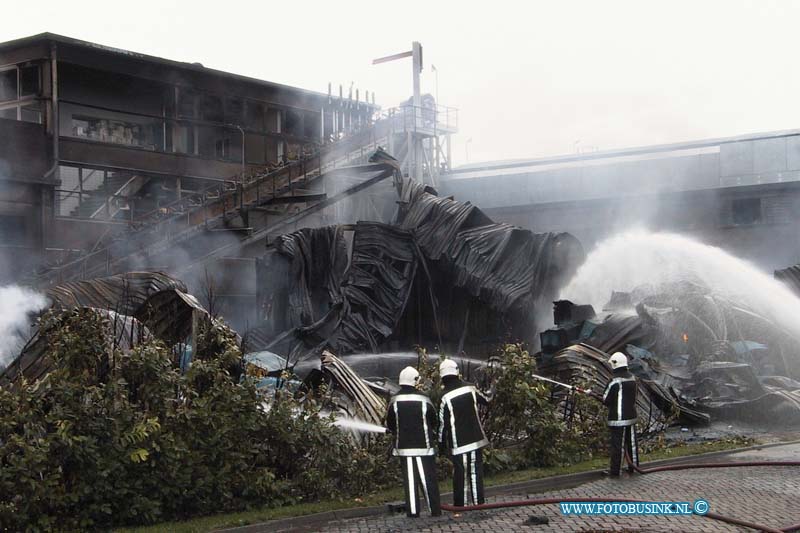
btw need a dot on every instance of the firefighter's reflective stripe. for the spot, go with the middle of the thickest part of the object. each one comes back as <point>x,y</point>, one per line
<point>410,398</point>
<point>623,405</point>
<point>441,421</point>
<point>447,401</point>
<point>412,410</point>
<point>467,389</point>
<point>615,381</point>
<point>412,486</point>
<point>413,452</point>
<point>621,423</point>
<point>424,481</point>
<point>425,423</point>
<point>467,479</point>
<point>471,447</point>
<point>420,470</point>
<point>473,471</point>
<point>465,459</point>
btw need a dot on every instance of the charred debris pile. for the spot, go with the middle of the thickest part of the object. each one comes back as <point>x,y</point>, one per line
<point>698,355</point>
<point>136,306</point>
<point>444,275</point>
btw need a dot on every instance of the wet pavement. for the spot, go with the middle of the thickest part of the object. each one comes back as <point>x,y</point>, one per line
<point>768,496</point>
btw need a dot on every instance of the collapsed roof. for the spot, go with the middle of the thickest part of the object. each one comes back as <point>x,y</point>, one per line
<point>137,305</point>
<point>444,272</point>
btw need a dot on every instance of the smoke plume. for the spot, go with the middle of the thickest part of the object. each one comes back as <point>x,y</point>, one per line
<point>639,257</point>
<point>16,303</point>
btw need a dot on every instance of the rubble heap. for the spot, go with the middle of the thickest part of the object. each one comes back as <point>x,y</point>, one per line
<point>697,354</point>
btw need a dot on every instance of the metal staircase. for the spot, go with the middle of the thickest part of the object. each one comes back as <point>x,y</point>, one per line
<point>224,207</point>
<point>245,206</point>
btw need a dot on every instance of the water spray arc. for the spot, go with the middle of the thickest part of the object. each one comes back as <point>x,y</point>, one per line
<point>358,425</point>
<point>640,258</point>
<point>565,385</point>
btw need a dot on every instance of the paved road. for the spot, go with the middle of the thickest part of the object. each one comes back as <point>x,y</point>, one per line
<point>765,495</point>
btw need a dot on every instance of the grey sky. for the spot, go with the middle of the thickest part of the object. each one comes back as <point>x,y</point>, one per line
<point>530,78</point>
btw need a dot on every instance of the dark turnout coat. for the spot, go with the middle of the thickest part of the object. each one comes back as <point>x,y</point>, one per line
<point>620,398</point>
<point>411,417</point>
<point>460,429</point>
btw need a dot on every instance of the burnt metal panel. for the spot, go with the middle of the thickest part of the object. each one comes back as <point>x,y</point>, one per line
<point>25,151</point>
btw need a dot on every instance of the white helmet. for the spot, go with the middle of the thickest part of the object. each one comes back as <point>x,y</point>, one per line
<point>618,360</point>
<point>448,367</point>
<point>409,376</point>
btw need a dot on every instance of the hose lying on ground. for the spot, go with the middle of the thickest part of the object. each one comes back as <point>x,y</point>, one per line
<point>713,516</point>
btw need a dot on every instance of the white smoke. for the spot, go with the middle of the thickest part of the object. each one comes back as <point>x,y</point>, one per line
<point>640,257</point>
<point>15,305</point>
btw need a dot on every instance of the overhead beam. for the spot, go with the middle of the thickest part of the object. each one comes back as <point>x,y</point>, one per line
<point>392,57</point>
<point>386,171</point>
<point>297,199</point>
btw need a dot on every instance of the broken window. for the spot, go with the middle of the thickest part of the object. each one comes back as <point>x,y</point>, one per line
<point>12,230</point>
<point>31,113</point>
<point>234,108</point>
<point>29,81</point>
<point>8,85</point>
<point>746,211</point>
<point>294,123</point>
<point>254,116</point>
<point>183,139</point>
<point>187,101</point>
<point>254,149</point>
<point>273,120</point>
<point>311,125</point>
<point>223,149</point>
<point>115,128</point>
<point>274,150</point>
<point>211,108</point>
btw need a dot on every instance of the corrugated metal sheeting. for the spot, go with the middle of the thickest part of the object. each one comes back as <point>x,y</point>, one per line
<point>136,304</point>
<point>438,246</point>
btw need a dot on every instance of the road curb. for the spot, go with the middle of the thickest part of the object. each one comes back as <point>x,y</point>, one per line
<point>312,521</point>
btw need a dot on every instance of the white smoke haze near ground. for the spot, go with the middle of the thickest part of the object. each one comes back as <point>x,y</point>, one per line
<point>15,305</point>
<point>641,257</point>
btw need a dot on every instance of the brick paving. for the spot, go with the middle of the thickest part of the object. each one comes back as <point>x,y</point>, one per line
<point>769,496</point>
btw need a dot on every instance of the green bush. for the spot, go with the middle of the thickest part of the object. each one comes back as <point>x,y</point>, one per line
<point>110,438</point>
<point>527,428</point>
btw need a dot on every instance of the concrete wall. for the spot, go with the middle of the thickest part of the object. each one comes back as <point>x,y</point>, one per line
<point>695,191</point>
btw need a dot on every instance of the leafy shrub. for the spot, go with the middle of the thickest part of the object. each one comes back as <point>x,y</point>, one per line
<point>110,438</point>
<point>525,424</point>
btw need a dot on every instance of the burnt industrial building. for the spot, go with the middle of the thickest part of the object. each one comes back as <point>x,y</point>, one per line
<point>113,161</point>
<point>93,138</point>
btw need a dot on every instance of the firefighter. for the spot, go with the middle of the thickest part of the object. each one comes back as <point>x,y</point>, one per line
<point>461,434</point>
<point>620,398</point>
<point>411,417</point>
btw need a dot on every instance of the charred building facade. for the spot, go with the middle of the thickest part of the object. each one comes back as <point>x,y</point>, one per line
<point>94,138</point>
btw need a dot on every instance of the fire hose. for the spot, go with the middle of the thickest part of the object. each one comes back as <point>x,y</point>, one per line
<point>713,516</point>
